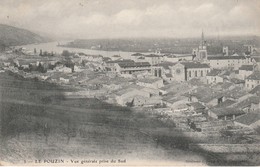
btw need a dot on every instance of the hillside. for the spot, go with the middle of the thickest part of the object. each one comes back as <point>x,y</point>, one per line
<point>11,36</point>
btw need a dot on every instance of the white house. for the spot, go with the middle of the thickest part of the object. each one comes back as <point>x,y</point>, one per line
<point>214,77</point>
<point>151,82</point>
<point>245,71</point>
<point>63,69</point>
<point>235,62</point>
<point>252,80</point>
<point>153,59</point>
<point>127,95</point>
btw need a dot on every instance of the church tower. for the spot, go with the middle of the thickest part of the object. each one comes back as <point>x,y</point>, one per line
<point>202,50</point>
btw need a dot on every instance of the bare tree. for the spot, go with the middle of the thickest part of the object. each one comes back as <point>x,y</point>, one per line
<point>46,132</point>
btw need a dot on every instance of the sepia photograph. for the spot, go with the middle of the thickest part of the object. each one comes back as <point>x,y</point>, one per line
<point>129,83</point>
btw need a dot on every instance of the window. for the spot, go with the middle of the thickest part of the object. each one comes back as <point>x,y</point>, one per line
<point>201,73</point>
<point>189,73</point>
<point>196,74</point>
<point>247,85</point>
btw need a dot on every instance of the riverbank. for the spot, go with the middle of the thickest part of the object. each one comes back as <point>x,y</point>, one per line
<point>55,48</point>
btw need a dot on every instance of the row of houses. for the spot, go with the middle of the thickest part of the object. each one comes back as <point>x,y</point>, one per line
<point>183,70</point>
<point>215,61</point>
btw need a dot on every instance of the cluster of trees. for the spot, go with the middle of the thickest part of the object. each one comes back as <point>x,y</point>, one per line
<point>68,56</point>
<point>40,68</point>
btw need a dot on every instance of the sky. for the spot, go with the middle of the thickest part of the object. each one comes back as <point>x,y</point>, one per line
<point>133,18</point>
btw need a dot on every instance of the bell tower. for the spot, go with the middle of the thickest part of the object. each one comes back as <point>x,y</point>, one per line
<point>202,50</point>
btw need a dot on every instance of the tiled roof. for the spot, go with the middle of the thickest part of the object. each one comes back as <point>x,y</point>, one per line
<point>205,94</point>
<point>194,65</point>
<point>248,118</point>
<point>121,61</point>
<point>237,81</point>
<point>94,56</point>
<point>166,64</point>
<point>152,55</point>
<point>149,80</point>
<point>247,102</point>
<point>226,103</point>
<point>256,90</point>
<point>226,73</point>
<point>247,67</point>
<point>168,75</point>
<point>235,93</point>
<point>125,91</point>
<point>172,99</point>
<point>116,56</point>
<point>134,64</point>
<point>106,58</point>
<point>196,105</point>
<point>226,57</point>
<point>254,76</point>
<point>207,99</point>
<point>214,72</point>
<point>227,111</point>
<point>137,54</point>
<point>171,56</point>
<point>129,88</point>
<point>257,59</point>
<point>226,85</point>
<point>196,82</point>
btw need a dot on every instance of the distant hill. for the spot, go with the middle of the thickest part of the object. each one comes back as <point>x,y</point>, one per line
<point>167,45</point>
<point>12,36</point>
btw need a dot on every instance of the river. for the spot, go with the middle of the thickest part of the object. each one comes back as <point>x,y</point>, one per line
<point>52,47</point>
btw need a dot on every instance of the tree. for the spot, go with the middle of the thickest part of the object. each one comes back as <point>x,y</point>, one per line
<point>45,53</point>
<point>65,53</point>
<point>46,132</point>
<point>247,52</point>
<point>130,104</point>
<point>41,68</point>
<point>40,52</point>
